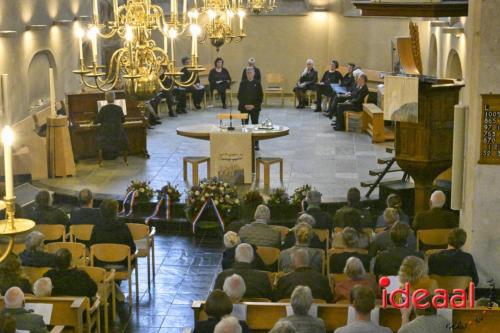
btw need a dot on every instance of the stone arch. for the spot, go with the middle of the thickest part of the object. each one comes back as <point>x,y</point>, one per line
<point>38,77</point>
<point>454,66</point>
<point>433,56</point>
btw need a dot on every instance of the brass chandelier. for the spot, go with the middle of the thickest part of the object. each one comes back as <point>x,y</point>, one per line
<point>140,66</point>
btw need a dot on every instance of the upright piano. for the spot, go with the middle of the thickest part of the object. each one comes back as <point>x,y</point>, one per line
<point>82,110</point>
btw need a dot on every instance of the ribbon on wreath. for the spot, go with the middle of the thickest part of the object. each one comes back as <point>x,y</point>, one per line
<point>203,208</point>
<point>168,209</point>
<point>130,199</point>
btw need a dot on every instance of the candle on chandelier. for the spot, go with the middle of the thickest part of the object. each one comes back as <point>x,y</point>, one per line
<point>172,33</point>
<point>7,139</point>
<point>80,34</point>
<point>93,38</point>
<point>195,32</point>
<point>184,9</point>
<point>52,93</point>
<point>96,9</point>
<point>241,14</point>
<point>173,7</point>
<point>165,40</point>
<point>148,6</point>
<point>115,9</point>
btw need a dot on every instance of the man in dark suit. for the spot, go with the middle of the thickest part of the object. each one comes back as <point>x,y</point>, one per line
<point>324,88</point>
<point>25,320</point>
<point>251,63</point>
<point>387,262</point>
<point>197,90</point>
<point>436,217</point>
<point>250,98</point>
<point>453,261</point>
<point>45,213</point>
<point>257,282</point>
<point>355,100</point>
<point>85,213</point>
<point>323,219</point>
<point>353,203</point>
<point>303,275</point>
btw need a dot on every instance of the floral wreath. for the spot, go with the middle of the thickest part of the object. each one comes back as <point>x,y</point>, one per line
<point>300,194</point>
<point>171,191</point>
<point>278,198</point>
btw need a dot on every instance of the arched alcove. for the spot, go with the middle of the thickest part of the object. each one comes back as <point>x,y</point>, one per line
<point>454,66</point>
<point>38,77</point>
<point>433,56</point>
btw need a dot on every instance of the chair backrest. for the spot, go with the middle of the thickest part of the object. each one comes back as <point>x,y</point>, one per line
<point>452,282</point>
<point>52,232</point>
<point>102,278</point>
<point>274,79</point>
<point>78,251</point>
<point>433,237</point>
<point>323,234</point>
<point>269,255</point>
<point>108,252</point>
<point>80,232</point>
<point>315,301</point>
<point>282,230</point>
<point>256,299</point>
<point>333,251</point>
<point>34,273</point>
<point>138,230</point>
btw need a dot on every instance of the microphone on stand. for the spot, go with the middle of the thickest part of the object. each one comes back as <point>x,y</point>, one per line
<point>230,128</point>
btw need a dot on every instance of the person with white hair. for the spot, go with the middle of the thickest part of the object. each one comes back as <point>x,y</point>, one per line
<point>42,287</point>
<point>228,324</point>
<point>256,282</point>
<point>303,234</point>
<point>34,254</point>
<point>251,63</point>
<point>303,275</point>
<point>231,241</point>
<point>382,241</point>
<point>356,274</point>
<point>259,233</point>
<point>25,320</point>
<point>250,97</point>
<point>283,326</point>
<point>307,81</point>
<point>314,241</point>
<point>415,272</point>
<point>313,207</point>
<point>303,322</point>
<point>234,287</point>
<point>436,217</point>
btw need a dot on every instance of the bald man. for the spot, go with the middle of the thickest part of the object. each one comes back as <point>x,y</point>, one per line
<point>436,217</point>
<point>25,320</point>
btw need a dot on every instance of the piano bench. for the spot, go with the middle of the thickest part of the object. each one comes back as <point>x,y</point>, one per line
<point>195,161</point>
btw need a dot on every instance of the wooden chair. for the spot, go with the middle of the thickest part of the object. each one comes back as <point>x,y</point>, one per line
<point>116,253</point>
<point>311,96</point>
<point>373,124</point>
<point>324,236</point>
<point>144,237</point>
<point>337,251</point>
<point>190,100</point>
<point>274,86</point>
<point>78,251</point>
<point>282,230</point>
<point>34,273</point>
<point>452,282</point>
<point>433,238</point>
<point>105,282</point>
<point>80,232</point>
<point>269,255</point>
<point>195,161</point>
<point>229,96</point>
<point>52,232</point>
<point>267,162</point>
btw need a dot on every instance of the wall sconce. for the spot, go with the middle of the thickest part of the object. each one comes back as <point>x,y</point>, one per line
<point>36,27</point>
<point>456,31</point>
<point>63,22</point>
<point>8,33</point>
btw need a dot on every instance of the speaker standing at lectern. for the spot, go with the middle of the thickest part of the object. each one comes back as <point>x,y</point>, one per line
<point>111,137</point>
<point>250,98</point>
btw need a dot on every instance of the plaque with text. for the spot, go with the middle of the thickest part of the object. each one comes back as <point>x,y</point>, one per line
<point>490,130</point>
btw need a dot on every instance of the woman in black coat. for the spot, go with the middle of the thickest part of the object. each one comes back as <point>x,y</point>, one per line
<point>307,81</point>
<point>219,80</point>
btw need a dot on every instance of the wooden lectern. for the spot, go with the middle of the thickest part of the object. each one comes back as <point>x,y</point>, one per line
<point>60,152</point>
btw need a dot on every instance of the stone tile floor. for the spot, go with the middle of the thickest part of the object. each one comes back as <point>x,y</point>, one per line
<point>313,153</point>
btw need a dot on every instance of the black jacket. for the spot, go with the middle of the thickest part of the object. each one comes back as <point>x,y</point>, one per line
<point>214,76</point>
<point>338,260</point>
<point>435,218</point>
<point>358,95</point>
<point>348,81</point>
<point>208,326</point>
<point>48,215</point>
<point>84,215</point>
<point>37,259</point>
<point>331,77</point>
<point>114,232</point>
<point>453,262</point>
<point>111,136</point>
<point>304,276</point>
<point>250,93</point>
<point>388,262</point>
<point>71,282</point>
<point>257,74</point>
<point>310,78</point>
<point>186,75</point>
<point>257,282</point>
<point>323,219</point>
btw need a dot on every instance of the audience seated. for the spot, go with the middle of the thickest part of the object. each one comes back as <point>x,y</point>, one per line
<point>353,203</point>
<point>70,281</point>
<point>303,233</point>
<point>283,326</point>
<point>437,217</point>
<point>387,262</point>
<point>111,230</point>
<point>257,282</point>
<point>382,241</point>
<point>301,302</point>
<point>352,219</point>
<point>217,306</point>
<point>219,80</point>
<point>307,81</point>
<point>323,219</point>
<point>303,275</point>
<point>426,320</point>
<point>11,275</point>
<point>454,261</point>
<point>414,271</point>
<point>356,275</point>
<point>324,88</point>
<point>363,301</point>
<point>393,201</point>
<point>351,240</point>
<point>231,240</point>
<point>43,287</point>
<point>229,324</point>
<point>34,254</point>
<point>85,213</point>
<point>25,320</point>
<point>45,213</point>
<point>314,242</point>
<point>355,100</point>
<point>259,233</point>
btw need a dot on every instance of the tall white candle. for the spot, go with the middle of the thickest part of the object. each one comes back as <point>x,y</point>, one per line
<point>241,24</point>
<point>165,43</point>
<point>5,99</point>
<point>95,8</point>
<point>93,36</point>
<point>52,91</point>
<point>115,9</point>
<point>80,43</point>
<point>184,9</point>
<point>7,138</point>
<point>172,48</point>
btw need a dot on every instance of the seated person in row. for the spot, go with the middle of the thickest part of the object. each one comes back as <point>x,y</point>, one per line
<point>352,220</point>
<point>290,238</point>
<point>352,248</point>
<point>301,301</point>
<point>164,94</point>
<point>393,201</point>
<point>257,282</point>
<point>347,83</point>
<point>387,262</point>
<point>307,81</point>
<point>382,241</point>
<point>259,233</point>
<point>44,212</point>
<point>426,320</point>
<point>356,275</point>
<point>303,233</point>
<point>415,272</point>
<point>250,97</point>
<point>303,275</point>
<point>11,275</point>
<point>235,288</point>
<point>197,90</point>
<point>353,203</point>
<point>219,80</point>
<point>231,241</point>
<point>324,88</point>
<point>355,100</point>
<point>85,213</point>
<point>251,63</point>
<point>437,217</point>
<point>313,208</point>
<point>70,281</point>
<point>25,320</point>
<point>363,301</point>
<point>43,287</point>
<point>453,261</point>
<point>34,254</point>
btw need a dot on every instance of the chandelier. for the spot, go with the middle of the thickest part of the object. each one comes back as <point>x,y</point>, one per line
<point>139,66</point>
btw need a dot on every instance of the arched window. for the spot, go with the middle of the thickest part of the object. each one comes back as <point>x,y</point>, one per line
<point>454,66</point>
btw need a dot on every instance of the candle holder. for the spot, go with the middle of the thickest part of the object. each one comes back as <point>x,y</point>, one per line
<point>11,226</point>
<point>83,69</point>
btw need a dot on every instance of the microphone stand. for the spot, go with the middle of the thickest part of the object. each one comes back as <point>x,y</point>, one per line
<point>230,128</point>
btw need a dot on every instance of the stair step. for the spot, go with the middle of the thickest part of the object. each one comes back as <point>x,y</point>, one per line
<point>376,172</point>
<point>385,160</point>
<point>390,150</point>
<point>368,183</point>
